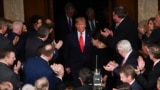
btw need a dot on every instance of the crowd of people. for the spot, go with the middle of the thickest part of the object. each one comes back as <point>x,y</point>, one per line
<point>48,54</point>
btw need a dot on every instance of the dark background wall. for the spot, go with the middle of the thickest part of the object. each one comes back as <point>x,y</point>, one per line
<point>53,8</point>
<point>100,6</point>
<point>1,9</point>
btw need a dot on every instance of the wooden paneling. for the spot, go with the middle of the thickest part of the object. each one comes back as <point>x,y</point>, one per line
<point>131,6</point>
<point>158,4</point>
<point>44,8</point>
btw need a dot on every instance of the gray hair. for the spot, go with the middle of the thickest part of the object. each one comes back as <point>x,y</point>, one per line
<point>90,10</point>
<point>120,11</point>
<point>124,45</point>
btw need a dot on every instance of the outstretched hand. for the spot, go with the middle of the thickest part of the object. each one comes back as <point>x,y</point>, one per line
<point>58,69</point>
<point>58,45</point>
<point>15,40</point>
<point>106,32</point>
<point>17,67</point>
<point>141,63</point>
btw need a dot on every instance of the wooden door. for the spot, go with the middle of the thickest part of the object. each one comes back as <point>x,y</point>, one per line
<point>43,8</point>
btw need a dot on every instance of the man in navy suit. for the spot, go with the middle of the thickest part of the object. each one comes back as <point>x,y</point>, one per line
<point>127,75</point>
<point>37,67</point>
<point>78,48</point>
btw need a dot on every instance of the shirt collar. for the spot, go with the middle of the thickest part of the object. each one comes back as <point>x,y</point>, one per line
<point>127,55</point>
<point>156,62</point>
<point>132,82</point>
<point>117,24</point>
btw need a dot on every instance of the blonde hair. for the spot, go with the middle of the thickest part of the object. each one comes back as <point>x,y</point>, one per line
<point>80,19</point>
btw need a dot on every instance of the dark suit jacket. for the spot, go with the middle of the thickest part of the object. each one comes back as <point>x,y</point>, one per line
<point>32,44</point>
<point>20,46</point>
<point>5,43</point>
<point>154,37</point>
<point>85,87</point>
<point>149,83</point>
<point>136,86</point>
<point>97,25</point>
<point>61,27</point>
<point>132,60</point>
<point>74,58</point>
<point>126,30</point>
<point>35,68</point>
<point>6,74</point>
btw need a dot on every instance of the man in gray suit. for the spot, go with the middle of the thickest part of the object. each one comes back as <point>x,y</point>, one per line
<point>7,58</point>
<point>5,43</point>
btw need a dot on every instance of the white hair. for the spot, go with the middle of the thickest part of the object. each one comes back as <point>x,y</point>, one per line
<point>28,87</point>
<point>124,45</point>
<point>17,22</point>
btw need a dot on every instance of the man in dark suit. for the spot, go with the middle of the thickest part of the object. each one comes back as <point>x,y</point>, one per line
<point>65,23</point>
<point>149,82</point>
<point>35,41</point>
<point>91,21</point>
<point>127,75</point>
<point>18,39</point>
<point>37,67</point>
<point>130,56</point>
<point>124,28</point>
<point>86,78</point>
<point>5,43</point>
<point>7,58</point>
<point>78,49</point>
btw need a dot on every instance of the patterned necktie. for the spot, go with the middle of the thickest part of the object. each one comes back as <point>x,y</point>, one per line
<point>69,24</point>
<point>92,25</point>
<point>81,42</point>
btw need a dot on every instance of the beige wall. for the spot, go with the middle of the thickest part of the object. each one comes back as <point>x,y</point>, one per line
<point>147,9</point>
<point>13,9</point>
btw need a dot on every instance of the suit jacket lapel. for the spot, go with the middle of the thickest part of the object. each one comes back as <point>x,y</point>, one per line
<point>76,40</point>
<point>87,39</point>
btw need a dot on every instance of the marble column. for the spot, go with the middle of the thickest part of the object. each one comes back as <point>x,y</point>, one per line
<point>13,9</point>
<point>147,9</point>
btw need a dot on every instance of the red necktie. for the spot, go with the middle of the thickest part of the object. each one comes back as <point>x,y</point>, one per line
<point>81,42</point>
